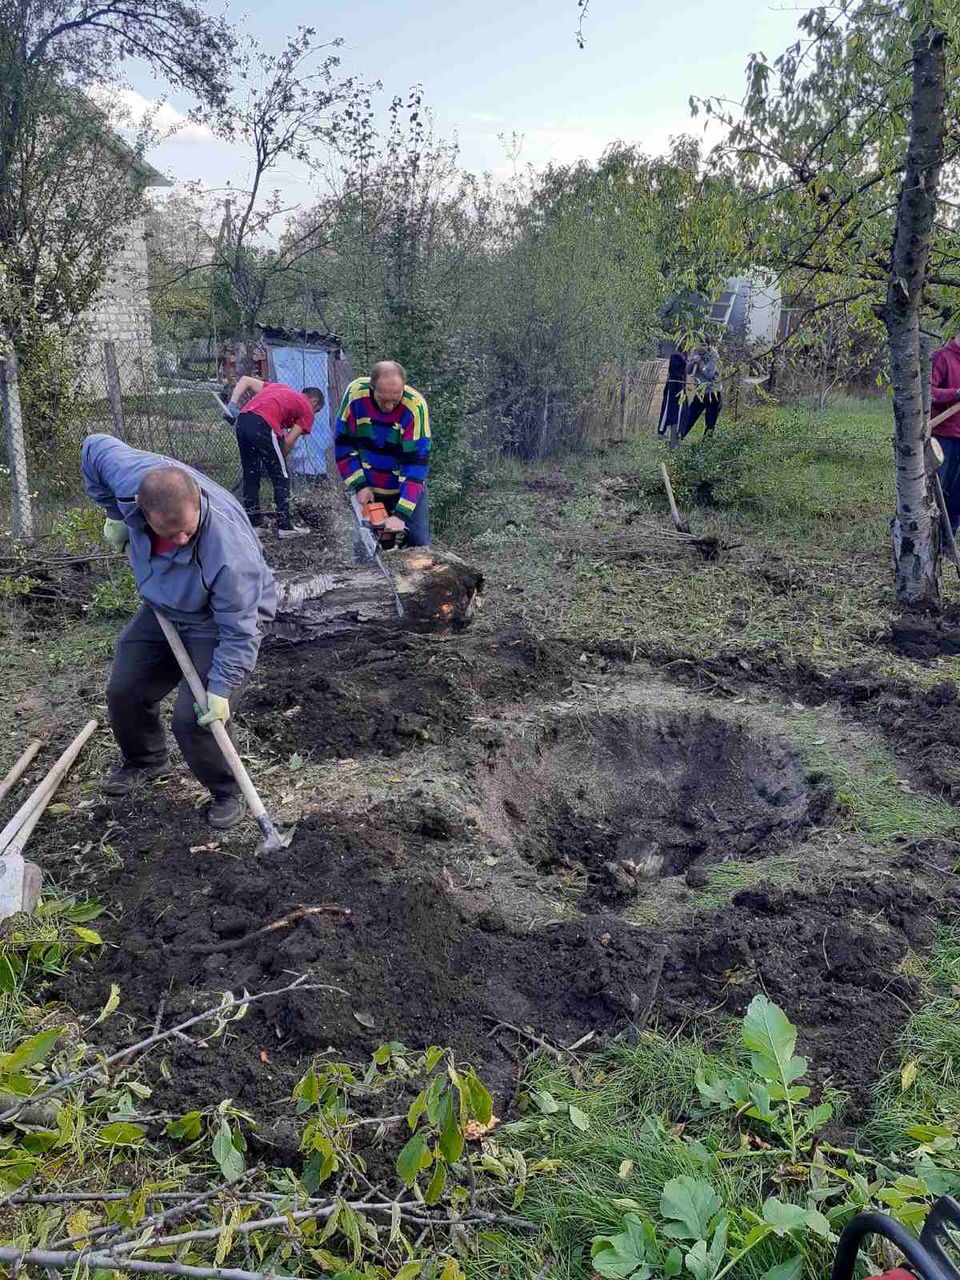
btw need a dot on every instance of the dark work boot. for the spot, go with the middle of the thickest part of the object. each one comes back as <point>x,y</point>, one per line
<point>224,812</point>
<point>123,777</point>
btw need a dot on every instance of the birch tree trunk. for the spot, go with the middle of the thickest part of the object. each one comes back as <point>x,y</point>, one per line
<point>916,543</point>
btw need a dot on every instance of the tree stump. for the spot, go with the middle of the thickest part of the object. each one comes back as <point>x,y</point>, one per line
<point>439,593</point>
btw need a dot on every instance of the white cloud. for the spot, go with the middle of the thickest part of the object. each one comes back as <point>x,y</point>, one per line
<point>565,140</point>
<point>128,108</point>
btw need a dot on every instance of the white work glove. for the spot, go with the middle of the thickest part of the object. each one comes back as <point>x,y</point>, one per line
<point>218,708</point>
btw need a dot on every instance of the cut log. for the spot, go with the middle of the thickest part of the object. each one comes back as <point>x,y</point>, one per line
<point>440,593</point>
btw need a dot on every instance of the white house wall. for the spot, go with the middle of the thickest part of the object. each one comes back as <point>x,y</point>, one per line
<point>122,314</point>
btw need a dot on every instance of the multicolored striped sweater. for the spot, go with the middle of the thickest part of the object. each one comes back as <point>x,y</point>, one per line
<point>387,452</point>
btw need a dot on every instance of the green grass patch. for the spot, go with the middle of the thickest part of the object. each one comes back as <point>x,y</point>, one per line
<point>660,1157</point>
<point>918,1102</point>
<point>872,801</point>
<point>807,496</point>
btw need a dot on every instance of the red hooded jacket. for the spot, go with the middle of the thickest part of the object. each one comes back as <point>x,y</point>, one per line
<point>945,388</point>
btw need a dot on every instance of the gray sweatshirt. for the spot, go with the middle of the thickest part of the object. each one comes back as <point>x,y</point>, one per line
<point>706,371</point>
<point>219,583</point>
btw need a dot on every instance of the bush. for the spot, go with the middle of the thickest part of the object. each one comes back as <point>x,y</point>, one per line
<point>719,470</point>
<point>116,596</point>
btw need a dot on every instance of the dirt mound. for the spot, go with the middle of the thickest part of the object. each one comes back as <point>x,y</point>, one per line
<point>386,692</point>
<point>619,799</point>
<point>832,960</point>
<point>421,963</point>
<point>918,635</point>
<point>416,965</point>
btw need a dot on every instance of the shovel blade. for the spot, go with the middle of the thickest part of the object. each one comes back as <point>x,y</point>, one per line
<point>19,885</point>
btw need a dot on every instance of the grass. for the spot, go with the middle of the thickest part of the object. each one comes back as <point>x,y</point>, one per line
<point>640,1121</point>
<point>872,800</point>
<point>630,1095</point>
<point>924,1089</point>
<point>807,496</point>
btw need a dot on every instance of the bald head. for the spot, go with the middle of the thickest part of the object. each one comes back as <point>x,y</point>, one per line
<point>387,380</point>
<point>169,498</point>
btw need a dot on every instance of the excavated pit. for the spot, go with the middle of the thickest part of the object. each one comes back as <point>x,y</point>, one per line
<point>619,799</point>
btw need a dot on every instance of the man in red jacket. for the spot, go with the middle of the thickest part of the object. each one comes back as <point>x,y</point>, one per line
<point>269,425</point>
<point>944,394</point>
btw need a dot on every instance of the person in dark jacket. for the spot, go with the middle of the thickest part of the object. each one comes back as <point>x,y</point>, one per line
<point>944,393</point>
<point>671,406</point>
<point>197,560</point>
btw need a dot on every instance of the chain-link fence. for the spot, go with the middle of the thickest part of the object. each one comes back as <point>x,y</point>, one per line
<point>174,406</point>
<point>123,390</point>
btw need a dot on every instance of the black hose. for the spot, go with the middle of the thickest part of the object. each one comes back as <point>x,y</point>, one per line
<point>921,1262</point>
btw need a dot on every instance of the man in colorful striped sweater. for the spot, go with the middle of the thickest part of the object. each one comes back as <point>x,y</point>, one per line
<point>382,448</point>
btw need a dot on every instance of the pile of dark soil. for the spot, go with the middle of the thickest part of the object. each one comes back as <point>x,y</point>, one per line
<point>927,635</point>
<point>832,960</point>
<point>419,965</point>
<point>617,800</point>
<point>387,692</point>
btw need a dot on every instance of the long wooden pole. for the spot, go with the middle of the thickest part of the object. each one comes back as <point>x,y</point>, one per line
<point>224,742</point>
<point>19,768</point>
<point>679,523</point>
<point>28,815</point>
<point>947,531</point>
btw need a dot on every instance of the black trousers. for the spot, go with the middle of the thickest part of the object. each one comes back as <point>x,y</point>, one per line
<point>144,672</point>
<point>261,449</point>
<point>709,405</point>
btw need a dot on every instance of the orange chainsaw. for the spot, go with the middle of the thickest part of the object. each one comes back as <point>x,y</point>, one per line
<point>368,544</point>
<point>373,516</point>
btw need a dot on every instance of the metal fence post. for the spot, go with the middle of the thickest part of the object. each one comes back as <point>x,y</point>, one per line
<point>113,386</point>
<point>22,511</point>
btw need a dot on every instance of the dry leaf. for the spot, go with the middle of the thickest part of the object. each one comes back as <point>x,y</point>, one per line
<point>264,1056</point>
<point>474,1130</point>
<point>908,1075</point>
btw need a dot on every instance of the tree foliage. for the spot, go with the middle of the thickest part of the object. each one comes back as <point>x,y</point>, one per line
<point>68,186</point>
<point>841,142</point>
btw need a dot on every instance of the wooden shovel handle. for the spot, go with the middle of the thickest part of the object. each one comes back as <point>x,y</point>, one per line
<point>217,727</point>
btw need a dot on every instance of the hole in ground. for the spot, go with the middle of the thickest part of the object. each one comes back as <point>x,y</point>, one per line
<point>624,798</point>
<point>422,966</point>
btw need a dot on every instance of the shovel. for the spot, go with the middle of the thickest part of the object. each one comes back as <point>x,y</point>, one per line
<point>19,879</point>
<point>271,842</point>
<point>933,459</point>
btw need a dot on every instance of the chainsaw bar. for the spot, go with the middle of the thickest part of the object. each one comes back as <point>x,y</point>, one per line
<point>371,545</point>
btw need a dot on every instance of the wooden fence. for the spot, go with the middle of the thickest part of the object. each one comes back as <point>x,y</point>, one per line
<point>623,407</point>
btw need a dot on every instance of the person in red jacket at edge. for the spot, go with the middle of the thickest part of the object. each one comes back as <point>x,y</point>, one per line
<point>944,393</point>
<point>268,426</point>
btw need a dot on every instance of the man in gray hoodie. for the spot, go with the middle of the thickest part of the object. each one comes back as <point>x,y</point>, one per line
<point>196,559</point>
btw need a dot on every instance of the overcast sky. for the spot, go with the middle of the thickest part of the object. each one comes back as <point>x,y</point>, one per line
<point>511,66</point>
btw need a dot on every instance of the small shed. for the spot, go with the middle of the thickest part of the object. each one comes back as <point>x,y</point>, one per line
<point>308,358</point>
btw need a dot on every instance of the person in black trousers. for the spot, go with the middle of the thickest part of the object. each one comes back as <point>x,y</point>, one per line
<point>671,406</point>
<point>704,364</point>
<point>268,426</point>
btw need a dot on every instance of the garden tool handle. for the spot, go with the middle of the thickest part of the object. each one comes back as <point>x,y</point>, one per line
<point>219,730</point>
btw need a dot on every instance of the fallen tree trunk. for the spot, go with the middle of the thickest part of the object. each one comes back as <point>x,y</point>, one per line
<point>439,592</point>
